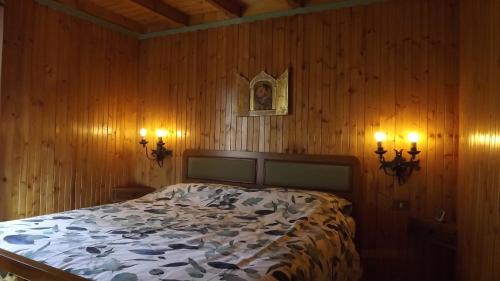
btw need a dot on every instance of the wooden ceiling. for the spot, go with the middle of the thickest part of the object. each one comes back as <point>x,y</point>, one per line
<point>145,16</point>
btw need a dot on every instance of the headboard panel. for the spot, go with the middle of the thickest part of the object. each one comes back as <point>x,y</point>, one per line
<point>234,170</point>
<point>338,174</point>
<point>318,176</point>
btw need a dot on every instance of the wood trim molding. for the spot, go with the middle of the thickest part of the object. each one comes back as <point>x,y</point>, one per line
<point>296,3</point>
<point>230,7</point>
<point>245,19</point>
<point>260,17</point>
<point>165,10</point>
<point>93,9</point>
<point>52,4</point>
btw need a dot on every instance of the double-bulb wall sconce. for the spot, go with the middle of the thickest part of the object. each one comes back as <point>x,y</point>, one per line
<point>161,152</point>
<point>398,167</point>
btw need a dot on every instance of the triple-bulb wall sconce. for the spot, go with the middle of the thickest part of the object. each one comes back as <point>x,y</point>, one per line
<point>398,167</point>
<point>161,152</point>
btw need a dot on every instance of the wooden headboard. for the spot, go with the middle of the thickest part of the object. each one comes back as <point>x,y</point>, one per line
<point>338,174</point>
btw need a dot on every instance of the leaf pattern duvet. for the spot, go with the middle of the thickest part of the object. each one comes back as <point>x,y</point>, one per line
<point>196,232</point>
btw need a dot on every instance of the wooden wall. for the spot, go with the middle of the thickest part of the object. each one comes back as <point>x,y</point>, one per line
<point>68,105</point>
<point>479,165</point>
<point>70,109</point>
<point>391,66</point>
<point>1,45</point>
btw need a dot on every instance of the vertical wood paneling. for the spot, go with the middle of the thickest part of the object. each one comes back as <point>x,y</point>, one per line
<point>390,66</point>
<point>68,109</point>
<point>1,47</point>
<point>479,165</point>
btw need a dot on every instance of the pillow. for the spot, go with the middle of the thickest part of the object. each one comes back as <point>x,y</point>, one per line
<point>232,197</point>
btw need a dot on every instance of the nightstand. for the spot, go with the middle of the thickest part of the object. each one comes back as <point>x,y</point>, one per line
<point>124,193</point>
<point>432,247</point>
<point>440,234</point>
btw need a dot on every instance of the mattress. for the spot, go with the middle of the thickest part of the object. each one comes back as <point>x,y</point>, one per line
<point>197,232</point>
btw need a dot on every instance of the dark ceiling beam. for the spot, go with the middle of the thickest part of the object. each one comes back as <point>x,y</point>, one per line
<point>230,7</point>
<point>98,11</point>
<point>165,10</point>
<point>296,3</point>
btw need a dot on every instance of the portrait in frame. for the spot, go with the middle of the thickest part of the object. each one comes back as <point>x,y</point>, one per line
<point>263,95</point>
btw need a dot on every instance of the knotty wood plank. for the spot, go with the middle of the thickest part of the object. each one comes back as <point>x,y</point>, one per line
<point>315,85</point>
<point>61,124</point>
<point>326,84</point>
<point>451,35</point>
<point>372,86</point>
<point>211,87</point>
<point>266,64</point>
<point>273,62</point>
<point>191,102</point>
<point>281,67</point>
<point>254,69</point>
<point>304,63</point>
<point>243,69</point>
<point>34,190</point>
<point>220,102</point>
<point>294,85</point>
<point>231,88</point>
<point>48,111</point>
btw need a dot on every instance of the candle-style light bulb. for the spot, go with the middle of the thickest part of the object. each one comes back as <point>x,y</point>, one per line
<point>143,132</point>
<point>160,133</point>
<point>413,138</point>
<point>380,137</point>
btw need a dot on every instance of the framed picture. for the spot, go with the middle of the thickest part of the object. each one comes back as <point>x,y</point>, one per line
<point>264,95</point>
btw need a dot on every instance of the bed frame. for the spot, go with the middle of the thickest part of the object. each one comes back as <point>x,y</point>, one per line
<point>335,174</point>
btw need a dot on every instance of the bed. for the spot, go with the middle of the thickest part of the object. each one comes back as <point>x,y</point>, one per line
<point>236,216</point>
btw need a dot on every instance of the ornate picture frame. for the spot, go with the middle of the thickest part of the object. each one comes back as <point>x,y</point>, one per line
<point>264,95</point>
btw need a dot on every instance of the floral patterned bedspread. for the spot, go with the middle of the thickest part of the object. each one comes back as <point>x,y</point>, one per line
<point>196,232</point>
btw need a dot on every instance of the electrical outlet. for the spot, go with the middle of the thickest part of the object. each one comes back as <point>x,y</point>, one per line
<point>401,205</point>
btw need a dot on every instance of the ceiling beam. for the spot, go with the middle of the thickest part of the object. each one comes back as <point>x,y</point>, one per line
<point>230,7</point>
<point>259,17</point>
<point>100,12</point>
<point>165,10</point>
<point>296,3</point>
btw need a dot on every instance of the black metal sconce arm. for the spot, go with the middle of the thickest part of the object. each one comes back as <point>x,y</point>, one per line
<point>399,167</point>
<point>158,154</point>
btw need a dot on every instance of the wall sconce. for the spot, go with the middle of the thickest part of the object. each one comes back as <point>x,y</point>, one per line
<point>160,152</point>
<point>398,167</point>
